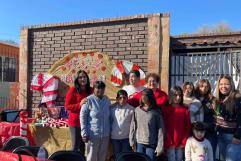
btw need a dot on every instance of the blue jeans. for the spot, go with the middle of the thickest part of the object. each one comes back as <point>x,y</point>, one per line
<point>121,145</point>
<point>147,149</point>
<point>175,154</point>
<point>228,151</point>
<point>212,138</point>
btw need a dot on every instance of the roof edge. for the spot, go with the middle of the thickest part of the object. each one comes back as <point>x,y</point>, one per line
<point>206,35</point>
<point>9,44</point>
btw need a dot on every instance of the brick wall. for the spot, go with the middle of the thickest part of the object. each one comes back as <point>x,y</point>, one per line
<point>123,38</point>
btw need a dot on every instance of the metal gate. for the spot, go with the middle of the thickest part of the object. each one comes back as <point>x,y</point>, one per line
<point>209,65</point>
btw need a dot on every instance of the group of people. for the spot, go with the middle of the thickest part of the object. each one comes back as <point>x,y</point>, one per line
<point>189,123</point>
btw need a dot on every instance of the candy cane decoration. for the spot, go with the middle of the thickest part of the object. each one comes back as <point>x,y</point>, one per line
<point>23,123</point>
<point>48,85</point>
<point>124,67</point>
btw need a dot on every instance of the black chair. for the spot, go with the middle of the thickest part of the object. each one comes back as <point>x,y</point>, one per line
<point>67,156</point>
<point>13,142</point>
<point>10,115</point>
<point>132,156</point>
<point>31,151</point>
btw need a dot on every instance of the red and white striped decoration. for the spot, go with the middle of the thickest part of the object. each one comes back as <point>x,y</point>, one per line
<point>46,84</point>
<point>124,67</point>
<point>50,122</point>
<point>23,123</point>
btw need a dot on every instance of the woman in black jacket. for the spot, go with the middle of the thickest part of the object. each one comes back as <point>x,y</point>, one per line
<point>228,119</point>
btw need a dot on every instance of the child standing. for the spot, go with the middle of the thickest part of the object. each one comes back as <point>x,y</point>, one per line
<point>146,129</point>
<point>177,125</point>
<point>121,115</point>
<point>197,147</point>
<point>193,104</point>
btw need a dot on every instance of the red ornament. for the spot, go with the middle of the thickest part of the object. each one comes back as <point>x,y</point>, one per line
<point>63,68</point>
<point>67,59</point>
<point>100,56</point>
<point>103,68</point>
<point>92,53</point>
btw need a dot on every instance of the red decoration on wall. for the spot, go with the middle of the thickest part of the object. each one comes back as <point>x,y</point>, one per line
<point>103,68</point>
<point>100,56</point>
<point>92,54</point>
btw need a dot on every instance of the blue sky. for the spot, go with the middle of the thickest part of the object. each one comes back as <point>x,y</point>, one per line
<point>186,16</point>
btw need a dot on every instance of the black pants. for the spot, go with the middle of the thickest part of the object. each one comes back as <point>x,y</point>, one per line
<point>77,143</point>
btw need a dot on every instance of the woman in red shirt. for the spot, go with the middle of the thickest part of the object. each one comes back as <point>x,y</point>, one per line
<point>152,80</point>
<point>75,98</point>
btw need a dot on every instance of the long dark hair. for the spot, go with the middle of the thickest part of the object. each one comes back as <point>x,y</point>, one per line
<point>172,93</point>
<point>151,98</point>
<point>77,85</point>
<point>184,87</point>
<point>208,95</point>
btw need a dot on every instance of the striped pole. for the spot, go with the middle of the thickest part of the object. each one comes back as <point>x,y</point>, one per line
<point>23,123</point>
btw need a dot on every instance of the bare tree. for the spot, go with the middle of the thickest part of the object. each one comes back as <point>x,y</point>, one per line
<point>221,27</point>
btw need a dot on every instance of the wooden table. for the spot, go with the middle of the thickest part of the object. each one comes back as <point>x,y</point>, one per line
<point>52,138</point>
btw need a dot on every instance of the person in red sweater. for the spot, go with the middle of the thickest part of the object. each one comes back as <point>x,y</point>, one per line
<point>75,98</point>
<point>152,80</point>
<point>177,125</point>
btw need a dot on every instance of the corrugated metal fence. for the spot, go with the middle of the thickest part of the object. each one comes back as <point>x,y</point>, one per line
<point>9,95</point>
<point>209,65</point>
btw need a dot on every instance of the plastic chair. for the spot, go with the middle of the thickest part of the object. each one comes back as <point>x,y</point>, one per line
<point>31,151</point>
<point>67,156</point>
<point>132,156</point>
<point>10,115</point>
<point>13,142</point>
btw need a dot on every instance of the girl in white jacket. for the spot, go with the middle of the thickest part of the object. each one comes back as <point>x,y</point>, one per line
<point>197,147</point>
<point>193,104</point>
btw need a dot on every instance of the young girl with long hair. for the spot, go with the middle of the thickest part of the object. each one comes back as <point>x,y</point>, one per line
<point>146,131</point>
<point>209,104</point>
<point>177,125</point>
<point>193,104</point>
